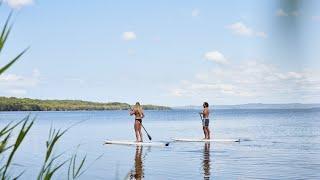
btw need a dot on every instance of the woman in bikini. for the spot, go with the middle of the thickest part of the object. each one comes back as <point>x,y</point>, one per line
<point>137,111</point>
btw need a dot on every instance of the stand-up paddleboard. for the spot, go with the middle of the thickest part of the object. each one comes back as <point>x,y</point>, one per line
<point>119,142</point>
<point>204,140</point>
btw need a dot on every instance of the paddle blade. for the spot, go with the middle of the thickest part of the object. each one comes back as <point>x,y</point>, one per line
<point>146,132</point>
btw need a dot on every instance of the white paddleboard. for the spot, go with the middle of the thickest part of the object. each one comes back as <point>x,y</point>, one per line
<point>119,142</point>
<point>205,140</point>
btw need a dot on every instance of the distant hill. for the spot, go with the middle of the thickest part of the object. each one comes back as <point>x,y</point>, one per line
<point>256,106</point>
<point>26,104</point>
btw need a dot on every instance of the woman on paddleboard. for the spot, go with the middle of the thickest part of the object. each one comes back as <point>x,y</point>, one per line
<point>205,120</point>
<point>137,111</point>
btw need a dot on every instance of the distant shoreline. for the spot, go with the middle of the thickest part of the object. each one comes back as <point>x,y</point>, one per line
<point>255,106</point>
<point>27,104</point>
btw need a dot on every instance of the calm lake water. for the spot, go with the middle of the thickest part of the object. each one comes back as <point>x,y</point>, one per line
<point>278,144</point>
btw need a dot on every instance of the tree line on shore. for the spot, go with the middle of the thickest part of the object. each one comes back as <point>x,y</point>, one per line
<point>27,104</point>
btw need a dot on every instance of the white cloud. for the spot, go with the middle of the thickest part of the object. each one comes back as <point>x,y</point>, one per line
<point>36,73</point>
<point>13,84</point>
<point>261,34</point>
<point>252,81</point>
<point>281,12</point>
<point>195,12</point>
<point>177,92</point>
<point>129,36</point>
<point>216,56</point>
<point>16,4</point>
<point>315,18</point>
<point>241,29</point>
<point>76,80</point>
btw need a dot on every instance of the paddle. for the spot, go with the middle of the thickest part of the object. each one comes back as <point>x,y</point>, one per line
<point>150,138</point>
<point>200,116</point>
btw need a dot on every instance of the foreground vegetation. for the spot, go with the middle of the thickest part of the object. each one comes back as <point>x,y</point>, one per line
<point>51,163</point>
<point>26,104</point>
<point>13,134</point>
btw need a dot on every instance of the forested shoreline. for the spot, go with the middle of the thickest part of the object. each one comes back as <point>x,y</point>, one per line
<point>27,104</point>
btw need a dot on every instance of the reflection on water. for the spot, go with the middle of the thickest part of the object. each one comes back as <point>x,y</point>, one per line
<point>137,171</point>
<point>206,161</point>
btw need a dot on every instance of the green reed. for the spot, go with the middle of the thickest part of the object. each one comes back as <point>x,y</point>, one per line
<point>11,133</point>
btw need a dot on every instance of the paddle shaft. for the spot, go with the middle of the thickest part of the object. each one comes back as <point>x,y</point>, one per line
<point>200,116</point>
<point>150,138</point>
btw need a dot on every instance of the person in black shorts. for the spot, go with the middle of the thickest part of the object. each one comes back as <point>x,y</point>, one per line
<point>205,120</point>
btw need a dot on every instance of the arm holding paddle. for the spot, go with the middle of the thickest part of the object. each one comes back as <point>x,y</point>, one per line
<point>131,111</point>
<point>201,115</point>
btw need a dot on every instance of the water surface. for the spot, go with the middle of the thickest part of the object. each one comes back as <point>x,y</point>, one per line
<point>278,144</point>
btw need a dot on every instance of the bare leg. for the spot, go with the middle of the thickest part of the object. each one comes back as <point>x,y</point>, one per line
<point>136,130</point>
<point>140,133</point>
<point>208,132</point>
<point>204,132</point>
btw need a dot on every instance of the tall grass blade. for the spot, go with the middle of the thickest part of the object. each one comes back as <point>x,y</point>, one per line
<point>80,167</point>
<point>47,169</point>
<point>5,32</point>
<point>83,171</point>
<point>22,133</point>
<point>52,142</point>
<point>17,177</point>
<point>74,171</point>
<point>8,129</point>
<point>50,173</point>
<point>3,144</point>
<point>3,69</point>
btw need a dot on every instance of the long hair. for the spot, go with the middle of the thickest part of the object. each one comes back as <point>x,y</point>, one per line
<point>138,108</point>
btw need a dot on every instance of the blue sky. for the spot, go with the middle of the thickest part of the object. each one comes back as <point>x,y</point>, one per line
<point>164,52</point>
